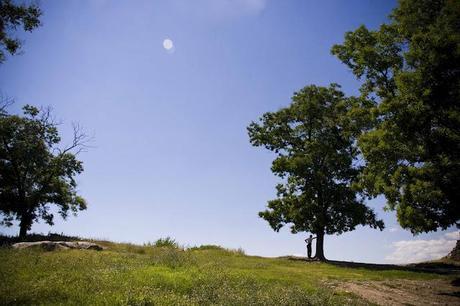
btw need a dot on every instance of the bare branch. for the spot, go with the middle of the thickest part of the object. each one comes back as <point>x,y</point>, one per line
<point>5,102</point>
<point>47,117</point>
<point>80,141</point>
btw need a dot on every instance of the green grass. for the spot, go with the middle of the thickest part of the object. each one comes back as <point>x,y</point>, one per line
<point>127,274</point>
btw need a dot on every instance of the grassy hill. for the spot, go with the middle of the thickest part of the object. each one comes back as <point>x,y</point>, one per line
<point>128,274</point>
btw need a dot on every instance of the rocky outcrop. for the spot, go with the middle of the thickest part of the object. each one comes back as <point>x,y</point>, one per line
<point>59,245</point>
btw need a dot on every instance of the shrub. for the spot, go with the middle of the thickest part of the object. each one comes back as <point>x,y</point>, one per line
<point>204,247</point>
<point>207,247</point>
<point>167,242</point>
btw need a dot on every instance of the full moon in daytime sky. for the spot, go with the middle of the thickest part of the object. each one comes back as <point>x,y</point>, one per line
<point>168,44</point>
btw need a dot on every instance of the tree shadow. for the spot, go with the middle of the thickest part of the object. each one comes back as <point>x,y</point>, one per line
<point>454,294</point>
<point>427,267</point>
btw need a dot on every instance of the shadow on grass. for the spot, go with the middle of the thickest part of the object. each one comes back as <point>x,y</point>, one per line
<point>426,267</point>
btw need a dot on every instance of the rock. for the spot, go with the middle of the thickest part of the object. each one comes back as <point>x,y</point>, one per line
<point>46,245</point>
<point>59,245</point>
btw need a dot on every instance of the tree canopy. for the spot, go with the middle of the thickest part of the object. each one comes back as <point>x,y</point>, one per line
<point>410,70</point>
<point>13,16</point>
<point>34,171</point>
<point>315,144</point>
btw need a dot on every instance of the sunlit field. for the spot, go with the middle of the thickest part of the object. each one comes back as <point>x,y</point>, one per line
<point>147,275</point>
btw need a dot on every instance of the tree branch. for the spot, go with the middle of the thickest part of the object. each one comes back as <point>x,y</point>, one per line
<point>80,141</point>
<point>5,102</point>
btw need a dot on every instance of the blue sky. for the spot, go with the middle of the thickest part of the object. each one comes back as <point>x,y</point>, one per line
<point>171,154</point>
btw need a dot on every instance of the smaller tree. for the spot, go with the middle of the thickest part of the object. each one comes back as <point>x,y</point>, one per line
<point>315,142</point>
<point>13,16</point>
<point>34,171</point>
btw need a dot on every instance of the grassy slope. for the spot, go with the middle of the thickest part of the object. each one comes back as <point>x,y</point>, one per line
<point>135,275</point>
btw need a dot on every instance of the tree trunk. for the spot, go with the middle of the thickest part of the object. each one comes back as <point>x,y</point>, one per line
<point>24,226</point>
<point>320,247</point>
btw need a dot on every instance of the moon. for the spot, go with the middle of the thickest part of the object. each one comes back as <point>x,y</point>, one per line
<point>168,44</point>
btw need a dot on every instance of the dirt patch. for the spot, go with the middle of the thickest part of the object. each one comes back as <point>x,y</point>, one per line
<point>405,292</point>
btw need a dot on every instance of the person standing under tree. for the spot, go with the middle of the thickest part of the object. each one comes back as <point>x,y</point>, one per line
<point>309,240</point>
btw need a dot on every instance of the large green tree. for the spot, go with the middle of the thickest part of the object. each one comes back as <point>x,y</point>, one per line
<point>410,69</point>
<point>35,172</point>
<point>12,17</point>
<point>314,140</point>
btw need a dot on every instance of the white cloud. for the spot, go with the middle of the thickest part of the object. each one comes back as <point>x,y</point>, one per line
<point>393,229</point>
<point>408,251</point>
<point>455,235</point>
